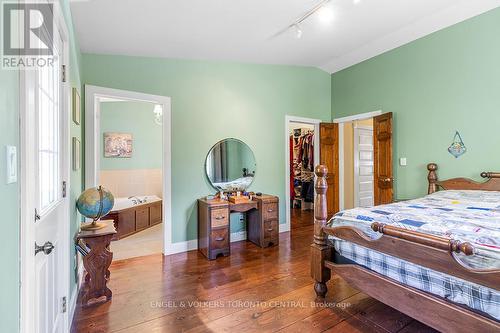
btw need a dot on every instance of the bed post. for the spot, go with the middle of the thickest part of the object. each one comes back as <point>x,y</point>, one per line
<point>432,178</point>
<point>320,251</point>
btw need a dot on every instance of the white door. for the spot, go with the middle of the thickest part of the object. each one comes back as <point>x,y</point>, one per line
<point>363,166</point>
<point>51,170</point>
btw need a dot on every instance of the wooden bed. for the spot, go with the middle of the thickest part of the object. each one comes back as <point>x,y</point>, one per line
<point>421,249</point>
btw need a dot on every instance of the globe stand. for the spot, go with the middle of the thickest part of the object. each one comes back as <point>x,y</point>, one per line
<point>95,225</point>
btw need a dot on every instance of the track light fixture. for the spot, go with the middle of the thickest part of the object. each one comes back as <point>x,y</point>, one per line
<point>298,31</point>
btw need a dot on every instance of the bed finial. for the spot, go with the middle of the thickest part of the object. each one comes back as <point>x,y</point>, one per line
<point>485,174</point>
<point>320,251</point>
<point>432,178</point>
<point>320,208</point>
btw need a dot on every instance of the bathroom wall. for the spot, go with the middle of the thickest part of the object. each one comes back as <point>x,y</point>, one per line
<point>141,173</point>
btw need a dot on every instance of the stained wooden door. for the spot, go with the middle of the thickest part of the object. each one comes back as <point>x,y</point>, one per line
<point>382,148</point>
<point>329,156</point>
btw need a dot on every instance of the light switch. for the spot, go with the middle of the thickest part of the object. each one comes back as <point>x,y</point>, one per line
<point>402,161</point>
<point>11,155</point>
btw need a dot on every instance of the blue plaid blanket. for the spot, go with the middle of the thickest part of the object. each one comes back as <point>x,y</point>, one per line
<point>456,290</point>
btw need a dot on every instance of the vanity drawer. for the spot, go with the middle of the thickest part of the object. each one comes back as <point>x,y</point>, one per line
<point>270,229</point>
<point>219,239</point>
<point>219,217</point>
<point>270,210</point>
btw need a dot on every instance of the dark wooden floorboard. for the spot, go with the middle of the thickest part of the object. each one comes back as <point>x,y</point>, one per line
<point>253,290</point>
<point>301,218</point>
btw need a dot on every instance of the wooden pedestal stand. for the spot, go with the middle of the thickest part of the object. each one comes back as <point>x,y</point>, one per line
<point>97,261</point>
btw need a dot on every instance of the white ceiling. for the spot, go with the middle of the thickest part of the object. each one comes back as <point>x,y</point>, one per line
<point>245,30</point>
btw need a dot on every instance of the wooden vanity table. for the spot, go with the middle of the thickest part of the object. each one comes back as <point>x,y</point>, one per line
<point>262,216</point>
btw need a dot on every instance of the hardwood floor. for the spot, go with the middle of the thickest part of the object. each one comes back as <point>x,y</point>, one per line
<point>301,218</point>
<point>253,290</point>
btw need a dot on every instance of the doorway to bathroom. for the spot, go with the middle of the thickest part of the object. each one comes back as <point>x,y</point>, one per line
<point>128,153</point>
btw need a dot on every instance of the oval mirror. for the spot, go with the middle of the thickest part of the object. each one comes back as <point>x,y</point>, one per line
<point>230,165</point>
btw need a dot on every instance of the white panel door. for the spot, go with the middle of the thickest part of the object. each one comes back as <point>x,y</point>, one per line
<point>51,169</point>
<point>363,167</point>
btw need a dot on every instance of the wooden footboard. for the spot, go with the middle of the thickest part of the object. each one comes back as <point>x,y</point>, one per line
<point>429,309</point>
<point>430,251</point>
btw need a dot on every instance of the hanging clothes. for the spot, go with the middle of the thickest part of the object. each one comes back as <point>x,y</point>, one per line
<point>292,177</point>
<point>301,166</point>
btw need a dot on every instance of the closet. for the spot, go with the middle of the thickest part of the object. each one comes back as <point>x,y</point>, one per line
<point>302,168</point>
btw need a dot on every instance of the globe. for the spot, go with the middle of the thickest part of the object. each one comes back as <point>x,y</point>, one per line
<point>95,203</point>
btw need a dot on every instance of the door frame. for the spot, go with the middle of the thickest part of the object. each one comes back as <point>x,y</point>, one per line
<point>341,121</point>
<point>27,188</point>
<point>294,119</point>
<point>356,161</point>
<point>92,146</point>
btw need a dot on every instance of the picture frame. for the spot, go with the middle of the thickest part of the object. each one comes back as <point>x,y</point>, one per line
<point>76,106</point>
<point>76,154</point>
<point>118,145</point>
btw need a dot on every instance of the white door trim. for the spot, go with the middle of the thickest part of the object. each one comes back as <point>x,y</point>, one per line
<point>359,116</point>
<point>92,148</point>
<point>341,122</point>
<point>288,120</point>
<point>356,161</point>
<point>27,185</point>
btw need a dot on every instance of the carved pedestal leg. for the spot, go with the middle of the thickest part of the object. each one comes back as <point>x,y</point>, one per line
<point>96,264</point>
<point>320,251</point>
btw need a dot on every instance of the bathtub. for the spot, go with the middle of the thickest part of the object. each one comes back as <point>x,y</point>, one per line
<point>131,215</point>
<point>124,203</point>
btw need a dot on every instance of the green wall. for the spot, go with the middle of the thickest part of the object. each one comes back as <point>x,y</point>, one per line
<point>136,118</point>
<point>216,100</point>
<point>76,176</point>
<point>447,81</point>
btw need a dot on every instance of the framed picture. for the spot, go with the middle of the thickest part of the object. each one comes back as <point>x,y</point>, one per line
<point>76,154</point>
<point>76,107</point>
<point>118,145</point>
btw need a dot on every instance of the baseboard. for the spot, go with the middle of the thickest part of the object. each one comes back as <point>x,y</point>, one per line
<point>238,236</point>
<point>182,247</point>
<point>284,227</point>
<point>72,306</point>
<point>74,295</point>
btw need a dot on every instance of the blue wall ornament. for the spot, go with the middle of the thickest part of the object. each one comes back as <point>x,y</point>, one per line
<point>457,147</point>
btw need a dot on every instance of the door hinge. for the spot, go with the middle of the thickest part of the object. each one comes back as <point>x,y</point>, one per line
<point>37,216</point>
<point>63,73</point>
<point>64,189</point>
<point>64,306</point>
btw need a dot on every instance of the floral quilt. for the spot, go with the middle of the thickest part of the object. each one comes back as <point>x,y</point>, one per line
<point>468,216</point>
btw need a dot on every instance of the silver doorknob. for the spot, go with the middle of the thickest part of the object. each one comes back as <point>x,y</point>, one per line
<point>45,248</point>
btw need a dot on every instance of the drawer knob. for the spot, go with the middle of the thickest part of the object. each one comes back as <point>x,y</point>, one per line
<point>220,239</point>
<point>220,217</point>
<point>270,229</point>
<point>270,210</point>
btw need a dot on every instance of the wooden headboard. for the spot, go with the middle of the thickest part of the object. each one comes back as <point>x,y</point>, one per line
<point>491,184</point>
